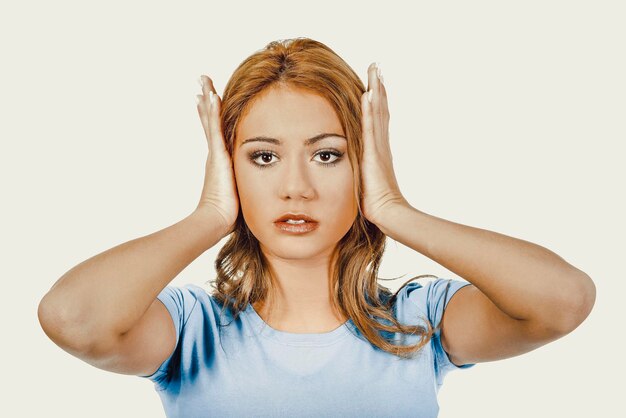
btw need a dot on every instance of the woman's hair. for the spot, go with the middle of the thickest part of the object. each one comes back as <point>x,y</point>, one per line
<point>243,273</point>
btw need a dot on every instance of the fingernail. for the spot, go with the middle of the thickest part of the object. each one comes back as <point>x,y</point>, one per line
<point>211,97</point>
<point>379,72</point>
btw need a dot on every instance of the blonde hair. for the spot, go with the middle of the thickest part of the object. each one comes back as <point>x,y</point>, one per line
<point>243,273</point>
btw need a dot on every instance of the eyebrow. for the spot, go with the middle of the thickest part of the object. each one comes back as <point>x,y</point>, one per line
<point>307,142</point>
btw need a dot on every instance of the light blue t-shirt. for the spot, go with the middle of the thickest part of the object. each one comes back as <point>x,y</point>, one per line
<point>258,371</point>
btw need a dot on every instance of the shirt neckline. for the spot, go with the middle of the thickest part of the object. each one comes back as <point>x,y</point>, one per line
<point>293,338</point>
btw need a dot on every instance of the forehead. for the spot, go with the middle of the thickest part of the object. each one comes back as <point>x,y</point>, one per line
<point>288,114</point>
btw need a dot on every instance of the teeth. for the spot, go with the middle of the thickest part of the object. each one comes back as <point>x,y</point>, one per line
<point>291,221</point>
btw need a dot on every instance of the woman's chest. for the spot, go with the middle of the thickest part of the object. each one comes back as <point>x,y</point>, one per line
<point>344,379</point>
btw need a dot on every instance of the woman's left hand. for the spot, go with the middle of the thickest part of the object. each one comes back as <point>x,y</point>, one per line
<point>380,187</point>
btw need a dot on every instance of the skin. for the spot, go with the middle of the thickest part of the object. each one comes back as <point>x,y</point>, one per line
<point>296,180</point>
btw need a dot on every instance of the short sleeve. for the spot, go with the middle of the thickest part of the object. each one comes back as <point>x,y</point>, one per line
<point>438,295</point>
<point>179,302</point>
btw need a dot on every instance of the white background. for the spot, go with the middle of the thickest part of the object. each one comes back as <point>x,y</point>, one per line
<point>507,116</point>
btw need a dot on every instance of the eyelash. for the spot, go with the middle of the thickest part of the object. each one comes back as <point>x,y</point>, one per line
<point>257,154</point>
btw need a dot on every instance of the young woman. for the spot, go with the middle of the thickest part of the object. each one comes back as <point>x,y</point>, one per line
<point>297,324</point>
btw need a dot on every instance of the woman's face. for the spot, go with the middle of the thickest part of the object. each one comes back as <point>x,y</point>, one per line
<point>288,175</point>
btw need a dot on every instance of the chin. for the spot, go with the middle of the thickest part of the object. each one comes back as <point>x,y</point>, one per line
<point>290,251</point>
<point>296,246</point>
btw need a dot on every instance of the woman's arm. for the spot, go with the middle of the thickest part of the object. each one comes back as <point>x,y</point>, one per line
<point>524,280</point>
<point>104,296</point>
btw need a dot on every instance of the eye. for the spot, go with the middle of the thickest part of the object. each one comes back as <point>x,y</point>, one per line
<point>266,155</point>
<point>332,153</point>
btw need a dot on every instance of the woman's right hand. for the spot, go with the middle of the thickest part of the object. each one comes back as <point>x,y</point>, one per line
<point>219,193</point>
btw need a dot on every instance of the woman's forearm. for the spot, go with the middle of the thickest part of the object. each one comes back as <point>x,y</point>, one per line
<point>526,281</point>
<point>105,295</point>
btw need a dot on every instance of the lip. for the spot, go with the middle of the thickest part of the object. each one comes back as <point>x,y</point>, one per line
<point>295,217</point>
<point>296,229</point>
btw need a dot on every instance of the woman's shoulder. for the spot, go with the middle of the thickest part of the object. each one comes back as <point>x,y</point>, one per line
<point>427,297</point>
<point>191,300</point>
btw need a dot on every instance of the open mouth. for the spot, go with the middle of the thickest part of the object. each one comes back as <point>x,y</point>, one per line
<point>296,226</point>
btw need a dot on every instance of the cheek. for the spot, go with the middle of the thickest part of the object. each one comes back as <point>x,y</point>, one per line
<point>251,192</point>
<point>341,201</point>
<point>246,178</point>
<point>253,200</point>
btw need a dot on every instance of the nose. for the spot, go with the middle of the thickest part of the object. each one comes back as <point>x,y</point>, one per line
<point>296,182</point>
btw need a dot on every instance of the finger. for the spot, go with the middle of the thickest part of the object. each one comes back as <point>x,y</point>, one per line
<point>204,105</point>
<point>383,99</point>
<point>384,107</point>
<point>367,122</point>
<point>215,124</point>
<point>373,84</point>
<point>207,85</point>
<point>203,113</point>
